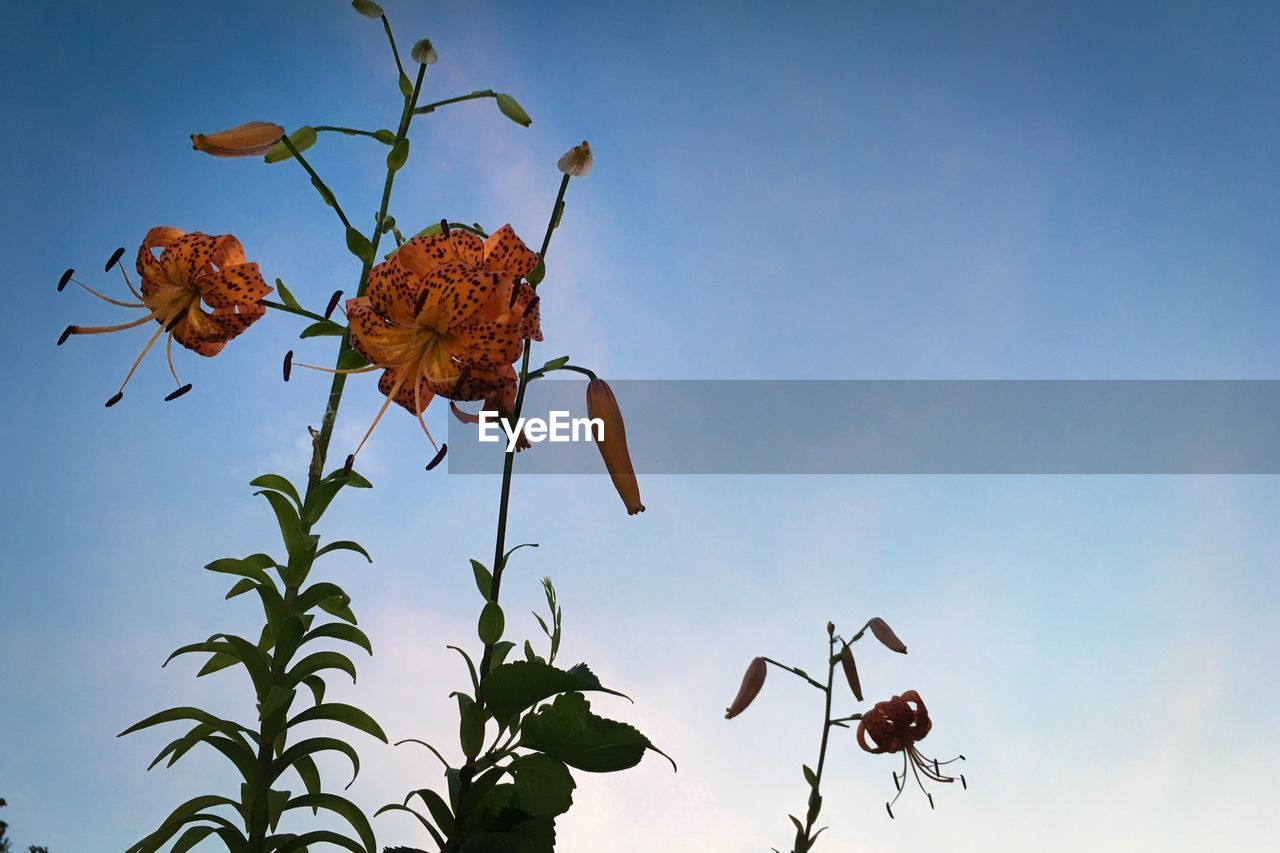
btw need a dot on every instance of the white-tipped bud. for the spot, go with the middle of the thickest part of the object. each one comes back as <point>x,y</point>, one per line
<point>577,161</point>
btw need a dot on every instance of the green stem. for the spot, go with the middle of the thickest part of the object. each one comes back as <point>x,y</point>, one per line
<point>297,155</point>
<point>346,131</point>
<point>815,796</point>
<point>796,672</point>
<point>386,26</point>
<point>542,371</point>
<point>487,93</point>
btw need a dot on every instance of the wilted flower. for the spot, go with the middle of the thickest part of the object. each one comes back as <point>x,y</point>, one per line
<point>246,140</point>
<point>447,314</point>
<point>752,681</point>
<point>577,161</point>
<point>613,443</point>
<point>192,271</point>
<point>897,725</point>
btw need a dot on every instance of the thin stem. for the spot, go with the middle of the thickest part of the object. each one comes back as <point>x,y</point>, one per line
<point>289,309</point>
<point>542,371</point>
<point>815,795</point>
<point>297,155</point>
<point>796,672</point>
<point>346,131</point>
<point>487,93</point>
<point>386,25</point>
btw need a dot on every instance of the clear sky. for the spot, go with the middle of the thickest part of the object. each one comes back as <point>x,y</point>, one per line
<point>858,190</point>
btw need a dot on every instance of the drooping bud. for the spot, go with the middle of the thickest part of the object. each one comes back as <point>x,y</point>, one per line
<point>424,53</point>
<point>613,443</point>
<point>577,161</point>
<point>246,140</point>
<point>885,635</point>
<point>368,8</point>
<point>850,671</point>
<point>511,108</point>
<point>752,682</point>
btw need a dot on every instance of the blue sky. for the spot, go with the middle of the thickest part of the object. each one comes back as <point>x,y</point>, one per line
<point>872,190</point>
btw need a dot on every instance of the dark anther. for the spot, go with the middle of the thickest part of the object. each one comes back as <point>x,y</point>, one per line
<point>422,300</point>
<point>935,767</point>
<point>930,796</point>
<point>115,256</point>
<point>351,460</point>
<point>889,809</point>
<point>533,303</point>
<point>66,333</point>
<point>439,457</point>
<point>288,364</point>
<point>515,294</point>
<point>444,227</point>
<point>116,399</point>
<point>962,758</point>
<point>176,394</point>
<point>462,377</point>
<point>895,782</point>
<point>66,277</point>
<point>175,321</point>
<point>333,303</point>
<point>963,784</point>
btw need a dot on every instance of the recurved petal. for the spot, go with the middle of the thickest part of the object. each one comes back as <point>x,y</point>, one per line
<point>487,344</point>
<point>148,264</point>
<point>424,254</point>
<point>478,383</point>
<point>241,284</point>
<point>188,256</point>
<point>374,338</point>
<point>415,404</point>
<point>393,291</point>
<point>244,140</point>
<point>506,253</point>
<point>455,291</point>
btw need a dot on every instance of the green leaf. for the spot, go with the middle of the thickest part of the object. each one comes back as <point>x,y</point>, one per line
<point>244,568</point>
<point>254,659</point>
<point>556,363</point>
<point>285,296</point>
<point>323,328</point>
<point>345,545</point>
<point>277,483</point>
<point>342,807</point>
<point>808,775</point>
<point>406,86</point>
<point>302,139</point>
<point>277,698</point>
<point>537,274</point>
<point>386,137</point>
<point>484,579</point>
<point>326,194</point>
<point>556,216</point>
<point>172,715</point>
<point>543,785</point>
<point>313,745</point>
<point>510,551</point>
<point>359,245</point>
<point>398,155</point>
<point>340,631</point>
<point>515,686</point>
<point>316,683</point>
<point>320,497</point>
<point>287,517</point>
<point>318,661</point>
<point>470,726</point>
<point>181,815</point>
<point>491,624</point>
<point>291,843</point>
<point>568,730</point>
<point>439,809</point>
<point>512,109</point>
<point>241,586</point>
<point>341,713</point>
<point>318,592</point>
<point>352,360</point>
<point>426,824</point>
<point>500,651</point>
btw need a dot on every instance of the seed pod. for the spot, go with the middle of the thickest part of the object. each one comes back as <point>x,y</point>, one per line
<point>885,635</point>
<point>850,671</point>
<point>752,681</point>
<point>613,443</point>
<point>246,140</point>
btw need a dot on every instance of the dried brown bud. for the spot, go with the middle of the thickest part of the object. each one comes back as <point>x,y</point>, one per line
<point>752,681</point>
<point>613,444</point>
<point>885,635</point>
<point>246,140</point>
<point>850,671</point>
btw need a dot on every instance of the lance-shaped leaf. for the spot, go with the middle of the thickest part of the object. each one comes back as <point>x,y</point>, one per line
<point>292,843</point>
<point>324,591</point>
<point>568,730</point>
<point>885,635</point>
<point>318,661</point>
<point>340,713</point>
<point>422,819</point>
<point>301,139</point>
<point>345,545</point>
<point>323,328</point>
<point>180,816</point>
<point>310,747</point>
<point>279,484</point>
<point>439,809</point>
<point>519,685</point>
<point>342,807</point>
<point>250,567</point>
<point>228,727</point>
<point>339,631</point>
<point>287,516</point>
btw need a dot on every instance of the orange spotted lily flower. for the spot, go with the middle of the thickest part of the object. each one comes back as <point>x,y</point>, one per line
<point>446,314</point>
<point>199,290</point>
<point>897,725</point>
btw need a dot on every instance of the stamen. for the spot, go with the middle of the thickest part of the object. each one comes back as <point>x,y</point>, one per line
<point>66,333</point>
<point>66,277</point>
<point>176,394</point>
<point>104,297</point>
<point>288,364</point>
<point>345,370</point>
<point>168,356</point>
<point>333,303</point>
<point>515,294</point>
<point>351,460</point>
<point>889,809</point>
<point>175,321</point>
<point>439,457</point>
<point>116,399</point>
<point>125,275</point>
<point>391,395</point>
<point>102,330</point>
<point>963,784</point>
<point>418,409</point>
<point>115,256</point>
<point>444,227</point>
<point>134,367</point>
<point>930,796</point>
<point>422,300</point>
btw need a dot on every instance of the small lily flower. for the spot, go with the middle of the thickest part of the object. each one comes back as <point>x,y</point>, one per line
<point>577,161</point>
<point>251,139</point>
<point>613,443</point>
<point>897,725</point>
<point>752,682</point>
<point>446,314</point>
<point>194,272</point>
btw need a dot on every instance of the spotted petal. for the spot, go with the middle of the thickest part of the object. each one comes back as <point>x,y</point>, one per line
<point>506,253</point>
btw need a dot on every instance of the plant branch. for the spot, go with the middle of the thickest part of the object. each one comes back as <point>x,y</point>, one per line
<point>320,184</point>
<point>289,309</point>
<point>487,93</point>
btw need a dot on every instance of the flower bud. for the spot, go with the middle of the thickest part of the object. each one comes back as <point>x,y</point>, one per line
<point>752,681</point>
<point>424,53</point>
<point>850,671</point>
<point>577,161</point>
<point>367,8</point>
<point>885,635</point>
<point>246,140</point>
<point>613,443</point>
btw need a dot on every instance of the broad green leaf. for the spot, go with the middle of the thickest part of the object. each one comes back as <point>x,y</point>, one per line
<point>568,730</point>
<point>519,685</point>
<point>359,245</point>
<point>439,809</point>
<point>491,623</point>
<point>243,568</point>
<point>342,807</point>
<point>318,592</point>
<point>302,139</point>
<point>340,631</point>
<point>426,824</point>
<point>398,155</point>
<point>292,843</point>
<point>470,726</point>
<point>277,483</point>
<point>543,785</point>
<point>484,579</point>
<point>340,713</point>
<point>240,587</point>
<point>310,747</point>
<point>321,328</point>
<point>287,517</point>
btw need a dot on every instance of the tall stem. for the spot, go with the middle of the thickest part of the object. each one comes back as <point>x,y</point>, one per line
<point>815,796</point>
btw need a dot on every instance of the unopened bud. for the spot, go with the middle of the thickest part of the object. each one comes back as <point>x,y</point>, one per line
<point>424,53</point>
<point>850,672</point>
<point>577,161</point>
<point>613,443</point>
<point>752,681</point>
<point>885,635</point>
<point>245,140</point>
